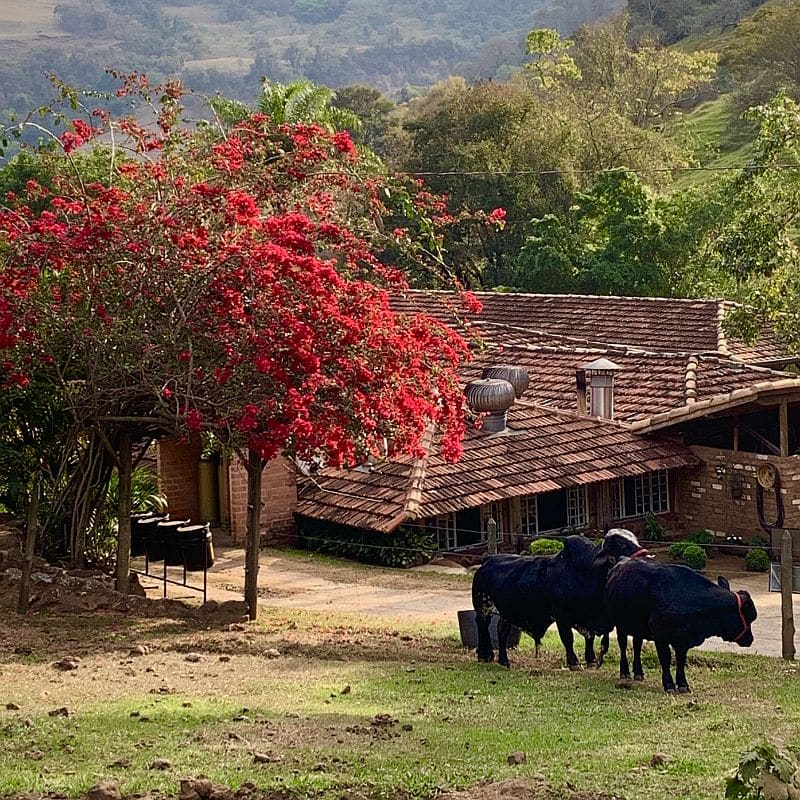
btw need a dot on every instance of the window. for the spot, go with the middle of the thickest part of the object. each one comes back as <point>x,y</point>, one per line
<point>528,507</point>
<point>553,511</point>
<point>443,527</point>
<point>640,495</point>
<point>576,507</point>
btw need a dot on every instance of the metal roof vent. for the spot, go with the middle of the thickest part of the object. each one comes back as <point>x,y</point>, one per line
<point>516,376</point>
<point>491,396</point>
<point>601,379</point>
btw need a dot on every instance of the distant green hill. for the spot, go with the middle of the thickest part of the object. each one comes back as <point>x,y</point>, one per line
<point>227,45</point>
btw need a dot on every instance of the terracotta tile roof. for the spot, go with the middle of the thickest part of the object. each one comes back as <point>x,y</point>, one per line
<point>647,323</point>
<point>542,450</point>
<point>719,402</point>
<point>647,383</point>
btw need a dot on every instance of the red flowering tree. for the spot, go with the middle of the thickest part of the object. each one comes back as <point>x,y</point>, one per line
<point>221,280</point>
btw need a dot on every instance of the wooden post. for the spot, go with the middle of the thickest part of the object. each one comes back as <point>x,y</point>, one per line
<point>124,467</point>
<point>491,536</point>
<point>787,613</point>
<point>735,433</point>
<point>30,545</point>
<point>255,466</point>
<point>783,419</point>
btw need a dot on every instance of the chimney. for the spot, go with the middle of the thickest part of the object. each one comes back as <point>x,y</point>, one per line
<point>516,376</point>
<point>491,396</point>
<point>601,379</point>
<point>580,382</point>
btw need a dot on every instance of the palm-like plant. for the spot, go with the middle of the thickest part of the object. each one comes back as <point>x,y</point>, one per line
<point>305,101</point>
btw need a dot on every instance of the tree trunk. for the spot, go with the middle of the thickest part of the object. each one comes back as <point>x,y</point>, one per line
<point>255,466</point>
<point>30,545</point>
<point>89,489</point>
<point>124,514</point>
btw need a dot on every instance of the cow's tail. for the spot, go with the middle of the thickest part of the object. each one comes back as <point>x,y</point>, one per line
<point>483,606</point>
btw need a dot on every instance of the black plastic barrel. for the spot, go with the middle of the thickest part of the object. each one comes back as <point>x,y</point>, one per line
<point>167,533</point>
<point>468,629</point>
<point>196,546</point>
<point>142,529</point>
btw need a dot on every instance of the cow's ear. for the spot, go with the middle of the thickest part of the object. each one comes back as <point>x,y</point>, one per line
<point>723,582</point>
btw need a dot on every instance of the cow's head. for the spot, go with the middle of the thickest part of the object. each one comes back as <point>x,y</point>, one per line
<point>618,543</point>
<point>741,617</point>
<point>621,543</point>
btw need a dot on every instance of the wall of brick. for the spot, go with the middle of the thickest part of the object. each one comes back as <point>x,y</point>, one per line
<point>278,501</point>
<point>178,462</point>
<point>706,497</point>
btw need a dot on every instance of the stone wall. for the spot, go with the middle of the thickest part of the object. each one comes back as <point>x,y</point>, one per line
<point>706,493</point>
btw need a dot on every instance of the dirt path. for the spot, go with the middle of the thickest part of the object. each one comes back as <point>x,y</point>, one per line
<point>293,580</point>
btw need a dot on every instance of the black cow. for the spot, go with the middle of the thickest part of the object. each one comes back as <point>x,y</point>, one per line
<point>532,592</point>
<point>676,607</point>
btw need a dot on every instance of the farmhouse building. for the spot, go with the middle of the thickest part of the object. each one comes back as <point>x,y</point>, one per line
<point>634,406</point>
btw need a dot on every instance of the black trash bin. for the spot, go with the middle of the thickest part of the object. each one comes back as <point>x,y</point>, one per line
<point>137,540</point>
<point>468,629</point>
<point>197,547</point>
<point>143,532</point>
<point>169,539</point>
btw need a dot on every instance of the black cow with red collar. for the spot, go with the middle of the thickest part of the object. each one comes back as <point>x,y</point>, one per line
<point>532,592</point>
<point>676,607</point>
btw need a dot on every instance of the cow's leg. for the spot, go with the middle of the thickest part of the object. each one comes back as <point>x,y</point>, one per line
<point>589,657</point>
<point>680,669</point>
<point>665,659</point>
<point>565,632</point>
<point>604,640</point>
<point>503,631</point>
<point>624,667</point>
<point>483,614</point>
<point>638,670</point>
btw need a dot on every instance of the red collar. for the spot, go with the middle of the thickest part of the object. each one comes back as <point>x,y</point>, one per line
<point>745,626</point>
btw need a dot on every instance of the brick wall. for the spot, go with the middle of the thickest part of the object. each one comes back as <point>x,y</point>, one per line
<point>178,463</point>
<point>278,501</point>
<point>705,493</point>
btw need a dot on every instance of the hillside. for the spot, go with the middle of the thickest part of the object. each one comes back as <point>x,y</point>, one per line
<point>229,45</point>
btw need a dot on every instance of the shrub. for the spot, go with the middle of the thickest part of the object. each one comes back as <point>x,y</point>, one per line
<point>756,560</point>
<point>694,556</point>
<point>677,550</point>
<point>545,547</point>
<point>700,537</point>
<point>654,529</point>
<point>408,547</point>
<point>758,541</point>
<point>765,771</point>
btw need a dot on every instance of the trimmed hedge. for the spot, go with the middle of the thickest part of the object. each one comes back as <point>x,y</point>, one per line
<point>756,560</point>
<point>677,550</point>
<point>695,557</point>
<point>545,547</point>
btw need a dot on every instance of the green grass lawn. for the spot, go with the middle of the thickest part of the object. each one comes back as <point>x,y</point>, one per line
<point>420,714</point>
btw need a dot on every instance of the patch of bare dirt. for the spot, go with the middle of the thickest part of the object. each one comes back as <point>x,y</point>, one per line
<point>531,788</point>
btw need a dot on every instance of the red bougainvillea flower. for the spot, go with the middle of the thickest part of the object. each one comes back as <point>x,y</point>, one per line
<point>219,284</point>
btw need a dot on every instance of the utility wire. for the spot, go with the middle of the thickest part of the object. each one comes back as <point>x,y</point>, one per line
<point>598,171</point>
